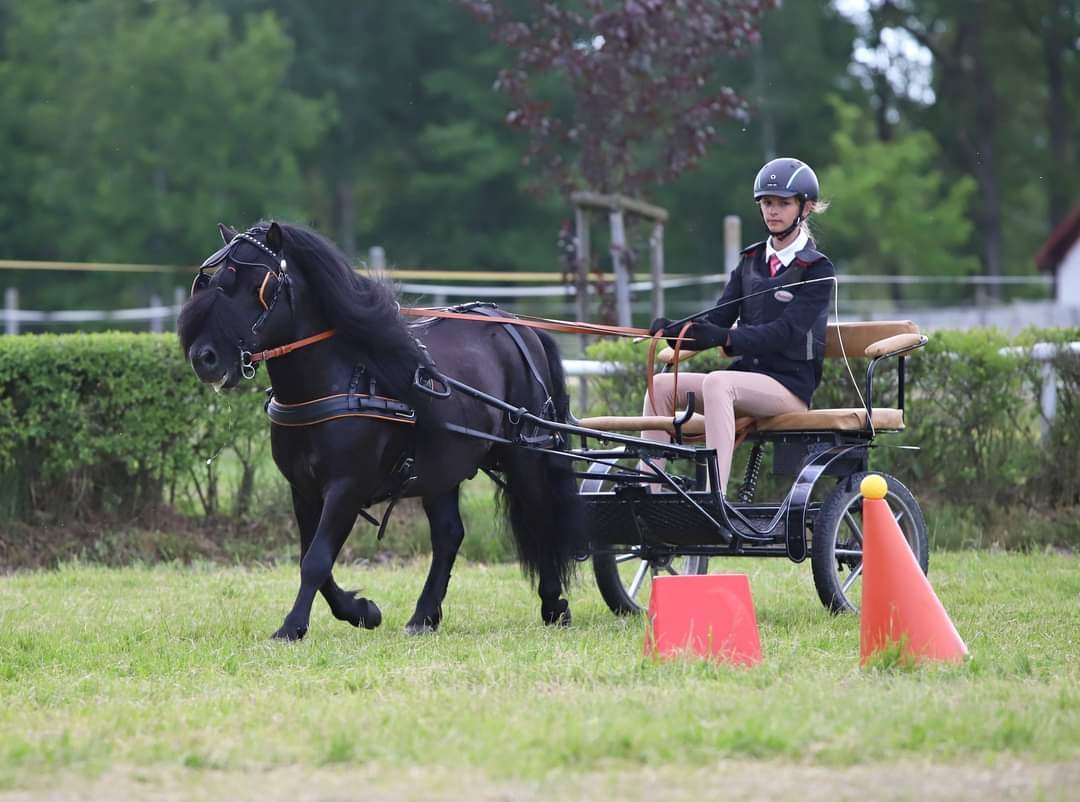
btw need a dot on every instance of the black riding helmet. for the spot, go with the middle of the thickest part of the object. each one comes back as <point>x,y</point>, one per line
<point>786,178</point>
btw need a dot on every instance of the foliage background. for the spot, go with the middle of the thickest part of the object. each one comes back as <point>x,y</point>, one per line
<point>127,128</point>
<point>110,450</point>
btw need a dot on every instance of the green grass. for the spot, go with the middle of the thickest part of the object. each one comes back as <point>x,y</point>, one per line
<point>169,669</point>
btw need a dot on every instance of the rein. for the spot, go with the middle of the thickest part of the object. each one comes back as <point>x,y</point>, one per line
<point>548,324</point>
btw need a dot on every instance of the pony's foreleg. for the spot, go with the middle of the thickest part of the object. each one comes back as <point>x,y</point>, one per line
<point>447,532</point>
<point>344,604</point>
<point>339,511</point>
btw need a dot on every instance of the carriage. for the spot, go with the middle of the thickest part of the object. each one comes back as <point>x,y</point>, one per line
<point>635,534</point>
<point>469,397</point>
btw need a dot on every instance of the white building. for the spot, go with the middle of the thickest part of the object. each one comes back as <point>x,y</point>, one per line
<point>1060,255</point>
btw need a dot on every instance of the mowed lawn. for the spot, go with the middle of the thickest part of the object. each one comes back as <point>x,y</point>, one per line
<point>161,683</point>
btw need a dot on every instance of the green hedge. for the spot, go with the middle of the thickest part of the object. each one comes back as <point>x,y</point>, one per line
<point>985,465</point>
<point>114,424</point>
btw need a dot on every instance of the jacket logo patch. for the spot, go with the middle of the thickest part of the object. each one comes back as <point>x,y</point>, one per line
<point>783,296</point>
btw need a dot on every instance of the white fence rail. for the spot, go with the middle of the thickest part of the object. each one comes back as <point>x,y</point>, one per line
<point>159,316</point>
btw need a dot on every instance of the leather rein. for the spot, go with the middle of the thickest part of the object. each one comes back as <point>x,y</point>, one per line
<point>547,324</point>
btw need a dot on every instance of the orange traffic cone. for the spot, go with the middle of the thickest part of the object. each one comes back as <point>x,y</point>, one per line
<point>898,604</point>
<point>710,615</point>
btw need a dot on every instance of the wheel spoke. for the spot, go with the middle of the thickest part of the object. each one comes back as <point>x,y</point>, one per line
<point>900,516</point>
<point>848,552</point>
<point>855,530</point>
<point>853,576</point>
<point>622,558</point>
<point>639,577</point>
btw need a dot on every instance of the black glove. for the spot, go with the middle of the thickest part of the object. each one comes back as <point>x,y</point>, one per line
<point>704,335</point>
<point>659,324</point>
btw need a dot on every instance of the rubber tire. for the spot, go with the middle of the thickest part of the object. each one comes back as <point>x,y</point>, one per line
<point>613,591</point>
<point>827,524</point>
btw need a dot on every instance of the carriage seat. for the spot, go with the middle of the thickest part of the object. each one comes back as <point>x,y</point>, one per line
<point>875,340</point>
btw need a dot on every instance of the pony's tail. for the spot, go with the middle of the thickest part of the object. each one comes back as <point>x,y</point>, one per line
<point>541,496</point>
<point>558,376</point>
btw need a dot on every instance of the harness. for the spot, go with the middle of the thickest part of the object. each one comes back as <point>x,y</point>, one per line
<point>361,401</point>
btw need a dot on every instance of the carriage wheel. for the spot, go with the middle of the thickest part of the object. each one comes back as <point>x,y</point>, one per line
<point>625,580</point>
<point>836,546</point>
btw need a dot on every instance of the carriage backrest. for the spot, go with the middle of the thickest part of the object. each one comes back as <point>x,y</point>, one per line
<point>857,336</point>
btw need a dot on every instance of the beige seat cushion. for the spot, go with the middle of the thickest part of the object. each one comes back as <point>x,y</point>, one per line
<point>832,420</point>
<point>817,420</point>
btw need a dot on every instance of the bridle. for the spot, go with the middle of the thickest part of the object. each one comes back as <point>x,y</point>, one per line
<point>273,283</point>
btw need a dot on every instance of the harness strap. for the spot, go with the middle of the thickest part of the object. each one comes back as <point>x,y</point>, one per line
<point>341,405</point>
<point>495,317</point>
<point>281,350</point>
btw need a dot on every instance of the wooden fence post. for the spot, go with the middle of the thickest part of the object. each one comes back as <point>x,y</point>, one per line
<point>11,306</point>
<point>656,261</point>
<point>732,242</point>
<point>622,273</point>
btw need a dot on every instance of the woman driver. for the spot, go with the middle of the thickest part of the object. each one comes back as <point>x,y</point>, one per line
<point>779,343</point>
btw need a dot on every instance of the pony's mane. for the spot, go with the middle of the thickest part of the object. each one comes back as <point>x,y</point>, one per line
<point>364,311</point>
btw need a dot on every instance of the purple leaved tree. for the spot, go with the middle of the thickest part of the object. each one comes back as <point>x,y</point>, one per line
<point>641,97</point>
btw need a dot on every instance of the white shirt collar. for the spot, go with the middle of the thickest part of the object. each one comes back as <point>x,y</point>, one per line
<point>787,254</point>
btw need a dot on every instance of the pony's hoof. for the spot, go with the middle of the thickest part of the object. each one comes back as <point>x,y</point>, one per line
<point>368,616</point>
<point>423,624</point>
<point>557,614</point>
<point>289,633</point>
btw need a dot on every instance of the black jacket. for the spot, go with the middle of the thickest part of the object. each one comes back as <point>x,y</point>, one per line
<point>780,333</point>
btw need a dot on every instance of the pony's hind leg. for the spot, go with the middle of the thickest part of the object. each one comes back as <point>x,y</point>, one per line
<point>544,513</point>
<point>323,530</point>
<point>447,532</point>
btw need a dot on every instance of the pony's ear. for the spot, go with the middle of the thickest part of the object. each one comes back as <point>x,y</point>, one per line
<point>227,234</point>
<point>274,237</point>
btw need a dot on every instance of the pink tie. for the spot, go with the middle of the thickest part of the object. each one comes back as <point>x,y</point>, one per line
<point>774,265</point>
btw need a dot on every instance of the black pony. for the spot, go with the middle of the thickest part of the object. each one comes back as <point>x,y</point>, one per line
<point>363,412</point>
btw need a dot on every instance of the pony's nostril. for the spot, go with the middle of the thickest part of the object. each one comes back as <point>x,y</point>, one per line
<point>208,357</point>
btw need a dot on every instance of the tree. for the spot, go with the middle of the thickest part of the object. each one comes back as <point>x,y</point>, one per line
<point>1056,25</point>
<point>643,95</point>
<point>897,213</point>
<point>992,120</point>
<point>134,145</point>
<point>803,57</point>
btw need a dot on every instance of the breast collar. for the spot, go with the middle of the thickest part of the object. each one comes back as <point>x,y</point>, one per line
<point>361,401</point>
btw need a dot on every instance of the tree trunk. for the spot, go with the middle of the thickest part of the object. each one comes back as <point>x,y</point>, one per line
<point>1059,175</point>
<point>346,215</point>
<point>984,162</point>
<point>881,113</point>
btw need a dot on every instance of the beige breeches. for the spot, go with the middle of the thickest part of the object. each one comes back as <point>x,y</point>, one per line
<point>721,395</point>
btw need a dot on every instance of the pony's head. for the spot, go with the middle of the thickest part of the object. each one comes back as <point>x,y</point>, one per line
<point>277,283</point>
<point>241,302</point>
